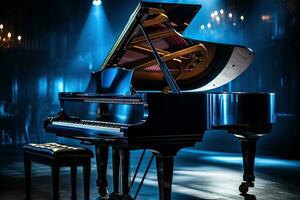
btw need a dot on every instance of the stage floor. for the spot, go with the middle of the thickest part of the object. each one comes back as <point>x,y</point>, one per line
<point>198,175</point>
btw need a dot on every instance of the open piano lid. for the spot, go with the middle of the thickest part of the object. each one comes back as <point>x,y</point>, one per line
<point>195,65</point>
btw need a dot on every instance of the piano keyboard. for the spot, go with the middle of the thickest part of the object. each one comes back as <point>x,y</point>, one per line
<point>111,128</point>
<point>109,99</point>
<point>114,101</point>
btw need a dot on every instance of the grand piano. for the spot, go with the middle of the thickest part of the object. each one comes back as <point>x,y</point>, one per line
<point>153,92</point>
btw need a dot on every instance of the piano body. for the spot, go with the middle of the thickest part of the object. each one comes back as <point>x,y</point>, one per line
<point>151,92</point>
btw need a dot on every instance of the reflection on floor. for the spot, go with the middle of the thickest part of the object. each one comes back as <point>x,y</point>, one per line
<point>199,175</point>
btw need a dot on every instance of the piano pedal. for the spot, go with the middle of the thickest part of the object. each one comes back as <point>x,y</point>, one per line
<point>244,187</point>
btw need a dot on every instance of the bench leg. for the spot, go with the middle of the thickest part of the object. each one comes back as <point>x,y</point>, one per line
<point>73,182</point>
<point>27,168</point>
<point>55,181</point>
<point>86,178</point>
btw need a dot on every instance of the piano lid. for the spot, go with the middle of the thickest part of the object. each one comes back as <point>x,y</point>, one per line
<point>195,65</point>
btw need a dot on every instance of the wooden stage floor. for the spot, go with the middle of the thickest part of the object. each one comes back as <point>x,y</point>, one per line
<point>198,175</point>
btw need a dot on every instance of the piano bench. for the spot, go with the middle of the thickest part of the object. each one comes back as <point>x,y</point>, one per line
<point>58,155</point>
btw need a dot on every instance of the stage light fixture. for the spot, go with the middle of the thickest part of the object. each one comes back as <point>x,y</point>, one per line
<point>230,15</point>
<point>97,2</point>
<point>9,35</point>
<point>19,37</point>
<point>202,27</point>
<point>208,25</point>
<point>221,11</point>
<point>242,17</point>
<point>1,26</point>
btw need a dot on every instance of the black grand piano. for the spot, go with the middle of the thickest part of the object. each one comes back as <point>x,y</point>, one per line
<point>151,92</point>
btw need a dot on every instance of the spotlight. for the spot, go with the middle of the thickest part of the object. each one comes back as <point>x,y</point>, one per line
<point>230,15</point>
<point>242,17</point>
<point>216,12</point>
<point>1,26</point>
<point>208,25</point>
<point>212,15</point>
<point>97,2</point>
<point>218,18</point>
<point>221,11</point>
<point>19,37</point>
<point>202,27</point>
<point>9,35</point>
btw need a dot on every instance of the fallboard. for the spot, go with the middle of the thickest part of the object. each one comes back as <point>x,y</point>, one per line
<point>123,109</point>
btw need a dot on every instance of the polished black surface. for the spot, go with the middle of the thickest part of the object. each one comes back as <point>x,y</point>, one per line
<point>58,52</point>
<point>162,121</point>
<point>66,48</point>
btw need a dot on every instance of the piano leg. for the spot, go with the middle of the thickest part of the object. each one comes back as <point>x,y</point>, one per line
<point>248,151</point>
<point>116,173</point>
<point>101,161</point>
<point>164,167</point>
<point>123,165</point>
<point>125,170</point>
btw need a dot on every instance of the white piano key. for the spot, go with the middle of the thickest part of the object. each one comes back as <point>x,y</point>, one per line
<point>96,127</point>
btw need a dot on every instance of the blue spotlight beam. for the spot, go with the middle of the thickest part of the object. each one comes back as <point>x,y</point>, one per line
<point>95,39</point>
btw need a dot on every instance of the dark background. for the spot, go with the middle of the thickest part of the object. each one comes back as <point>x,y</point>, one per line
<point>62,43</point>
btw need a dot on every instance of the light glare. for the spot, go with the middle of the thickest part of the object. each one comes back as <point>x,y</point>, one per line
<point>1,26</point>
<point>242,17</point>
<point>97,2</point>
<point>218,18</point>
<point>222,11</point>
<point>9,35</point>
<point>208,25</point>
<point>230,15</point>
<point>19,37</point>
<point>202,27</point>
<point>265,17</point>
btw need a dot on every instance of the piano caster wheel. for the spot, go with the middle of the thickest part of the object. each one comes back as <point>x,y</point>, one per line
<point>104,195</point>
<point>115,196</point>
<point>244,187</point>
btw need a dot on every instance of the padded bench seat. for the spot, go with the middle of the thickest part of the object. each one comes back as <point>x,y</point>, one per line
<point>58,155</point>
<point>57,150</point>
